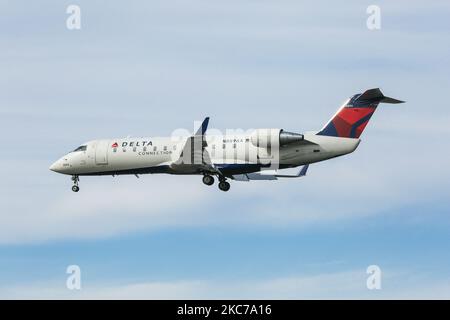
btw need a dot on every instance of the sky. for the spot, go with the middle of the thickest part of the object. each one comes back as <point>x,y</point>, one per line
<point>147,68</point>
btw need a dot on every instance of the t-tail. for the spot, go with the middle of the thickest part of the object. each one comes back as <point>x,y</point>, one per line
<point>353,116</point>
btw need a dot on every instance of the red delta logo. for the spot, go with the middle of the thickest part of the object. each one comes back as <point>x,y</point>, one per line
<point>115,145</point>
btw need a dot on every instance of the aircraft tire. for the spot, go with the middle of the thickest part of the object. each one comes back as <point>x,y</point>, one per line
<point>208,180</point>
<point>224,186</point>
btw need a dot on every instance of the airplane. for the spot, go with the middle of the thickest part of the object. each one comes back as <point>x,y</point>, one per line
<point>261,154</point>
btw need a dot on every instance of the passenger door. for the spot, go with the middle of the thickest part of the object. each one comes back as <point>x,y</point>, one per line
<point>101,152</point>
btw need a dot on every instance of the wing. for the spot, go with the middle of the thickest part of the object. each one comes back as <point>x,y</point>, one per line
<point>194,158</point>
<point>271,174</point>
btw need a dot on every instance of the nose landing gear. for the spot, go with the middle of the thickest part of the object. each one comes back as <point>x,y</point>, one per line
<point>75,187</point>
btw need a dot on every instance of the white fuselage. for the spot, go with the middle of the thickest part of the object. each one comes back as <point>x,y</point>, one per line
<point>235,154</point>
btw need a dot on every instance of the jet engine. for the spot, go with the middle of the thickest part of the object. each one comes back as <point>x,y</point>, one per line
<point>266,138</point>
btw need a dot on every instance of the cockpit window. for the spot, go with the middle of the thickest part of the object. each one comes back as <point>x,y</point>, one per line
<point>80,148</point>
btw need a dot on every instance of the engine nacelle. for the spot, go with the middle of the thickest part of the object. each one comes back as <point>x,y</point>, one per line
<point>290,137</point>
<point>267,138</point>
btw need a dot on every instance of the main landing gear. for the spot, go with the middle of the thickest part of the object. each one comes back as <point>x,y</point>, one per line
<point>75,187</point>
<point>223,184</point>
<point>208,180</point>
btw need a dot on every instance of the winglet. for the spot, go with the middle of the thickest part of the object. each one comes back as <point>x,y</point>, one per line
<point>303,171</point>
<point>201,131</point>
<point>300,173</point>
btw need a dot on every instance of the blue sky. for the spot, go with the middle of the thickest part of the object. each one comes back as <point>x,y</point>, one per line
<point>147,68</point>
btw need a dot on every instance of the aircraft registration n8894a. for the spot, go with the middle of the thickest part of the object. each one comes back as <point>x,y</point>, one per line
<point>262,154</point>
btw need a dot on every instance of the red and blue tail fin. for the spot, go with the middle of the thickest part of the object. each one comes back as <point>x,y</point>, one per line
<point>353,116</point>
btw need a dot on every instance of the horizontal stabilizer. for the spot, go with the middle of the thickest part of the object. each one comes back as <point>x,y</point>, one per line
<point>375,95</point>
<point>391,100</point>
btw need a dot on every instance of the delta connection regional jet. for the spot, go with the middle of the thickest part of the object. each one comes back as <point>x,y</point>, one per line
<point>262,154</point>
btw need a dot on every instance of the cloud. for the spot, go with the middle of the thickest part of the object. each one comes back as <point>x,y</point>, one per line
<point>253,65</point>
<point>383,175</point>
<point>340,285</point>
<point>149,67</point>
<point>102,208</point>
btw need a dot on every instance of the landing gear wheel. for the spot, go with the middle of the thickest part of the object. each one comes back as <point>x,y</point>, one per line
<point>208,180</point>
<point>224,186</point>
<point>75,187</point>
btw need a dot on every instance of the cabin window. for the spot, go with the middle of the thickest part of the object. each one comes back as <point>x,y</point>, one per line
<point>124,150</point>
<point>234,145</point>
<point>165,148</point>
<point>155,148</point>
<point>115,150</point>
<point>223,146</point>
<point>145,149</point>
<point>80,148</point>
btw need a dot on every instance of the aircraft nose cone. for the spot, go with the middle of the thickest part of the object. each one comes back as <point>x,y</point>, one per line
<point>55,166</point>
